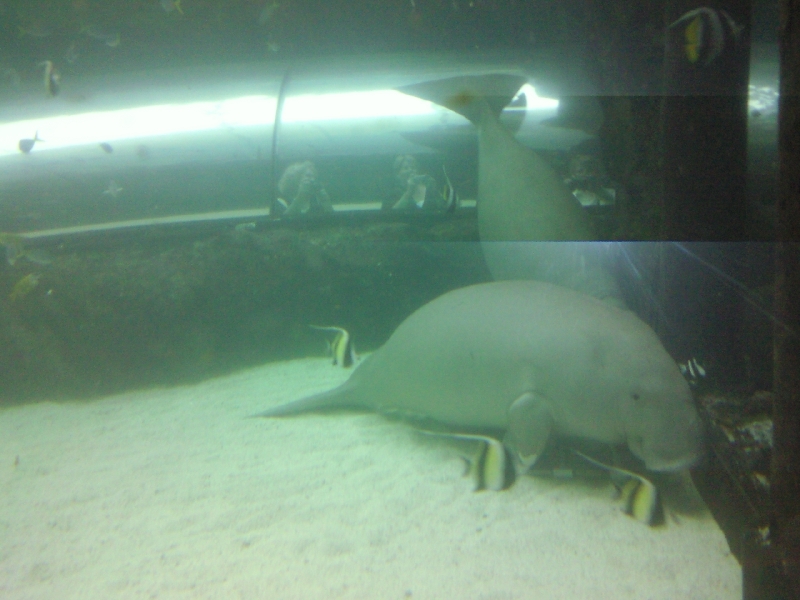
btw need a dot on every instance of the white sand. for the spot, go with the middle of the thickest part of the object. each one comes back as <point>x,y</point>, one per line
<point>174,494</point>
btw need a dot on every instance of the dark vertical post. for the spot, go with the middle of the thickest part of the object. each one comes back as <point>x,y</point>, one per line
<point>704,123</point>
<point>785,481</point>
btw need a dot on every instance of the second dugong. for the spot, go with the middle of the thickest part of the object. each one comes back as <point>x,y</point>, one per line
<point>523,204</point>
<point>533,359</point>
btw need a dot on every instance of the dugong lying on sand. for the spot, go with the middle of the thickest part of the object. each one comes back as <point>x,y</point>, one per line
<point>530,358</point>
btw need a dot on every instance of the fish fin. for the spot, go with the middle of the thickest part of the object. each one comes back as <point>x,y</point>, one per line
<point>530,425</point>
<point>177,5</point>
<point>469,96</point>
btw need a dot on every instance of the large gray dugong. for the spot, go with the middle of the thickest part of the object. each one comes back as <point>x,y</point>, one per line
<point>530,358</point>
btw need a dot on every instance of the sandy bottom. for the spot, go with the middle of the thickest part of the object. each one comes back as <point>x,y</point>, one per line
<point>175,494</point>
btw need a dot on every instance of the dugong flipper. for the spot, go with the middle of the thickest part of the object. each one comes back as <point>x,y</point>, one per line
<point>533,359</point>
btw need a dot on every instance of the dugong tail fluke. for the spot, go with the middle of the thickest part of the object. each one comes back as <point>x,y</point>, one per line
<point>522,202</point>
<point>520,196</point>
<point>470,96</point>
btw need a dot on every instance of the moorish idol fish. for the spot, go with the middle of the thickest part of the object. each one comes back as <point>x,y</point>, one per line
<point>640,497</point>
<point>449,194</point>
<point>706,33</point>
<point>692,370</point>
<point>492,467</point>
<point>341,348</point>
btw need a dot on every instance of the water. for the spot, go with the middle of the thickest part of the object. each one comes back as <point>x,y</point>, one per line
<point>229,174</point>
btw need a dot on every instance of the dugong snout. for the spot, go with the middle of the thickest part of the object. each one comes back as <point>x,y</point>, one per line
<point>667,436</point>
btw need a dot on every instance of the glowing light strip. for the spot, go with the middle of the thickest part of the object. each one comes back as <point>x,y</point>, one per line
<point>169,119</point>
<point>140,122</point>
<point>352,106</point>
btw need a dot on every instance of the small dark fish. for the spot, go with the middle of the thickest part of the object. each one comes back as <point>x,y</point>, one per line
<point>27,144</point>
<point>52,78</point>
<point>106,147</point>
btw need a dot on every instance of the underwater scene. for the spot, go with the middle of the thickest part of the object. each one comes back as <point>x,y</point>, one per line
<point>403,299</point>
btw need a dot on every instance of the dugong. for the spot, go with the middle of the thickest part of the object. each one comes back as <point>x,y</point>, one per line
<point>530,358</point>
<point>520,196</point>
<point>522,202</point>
